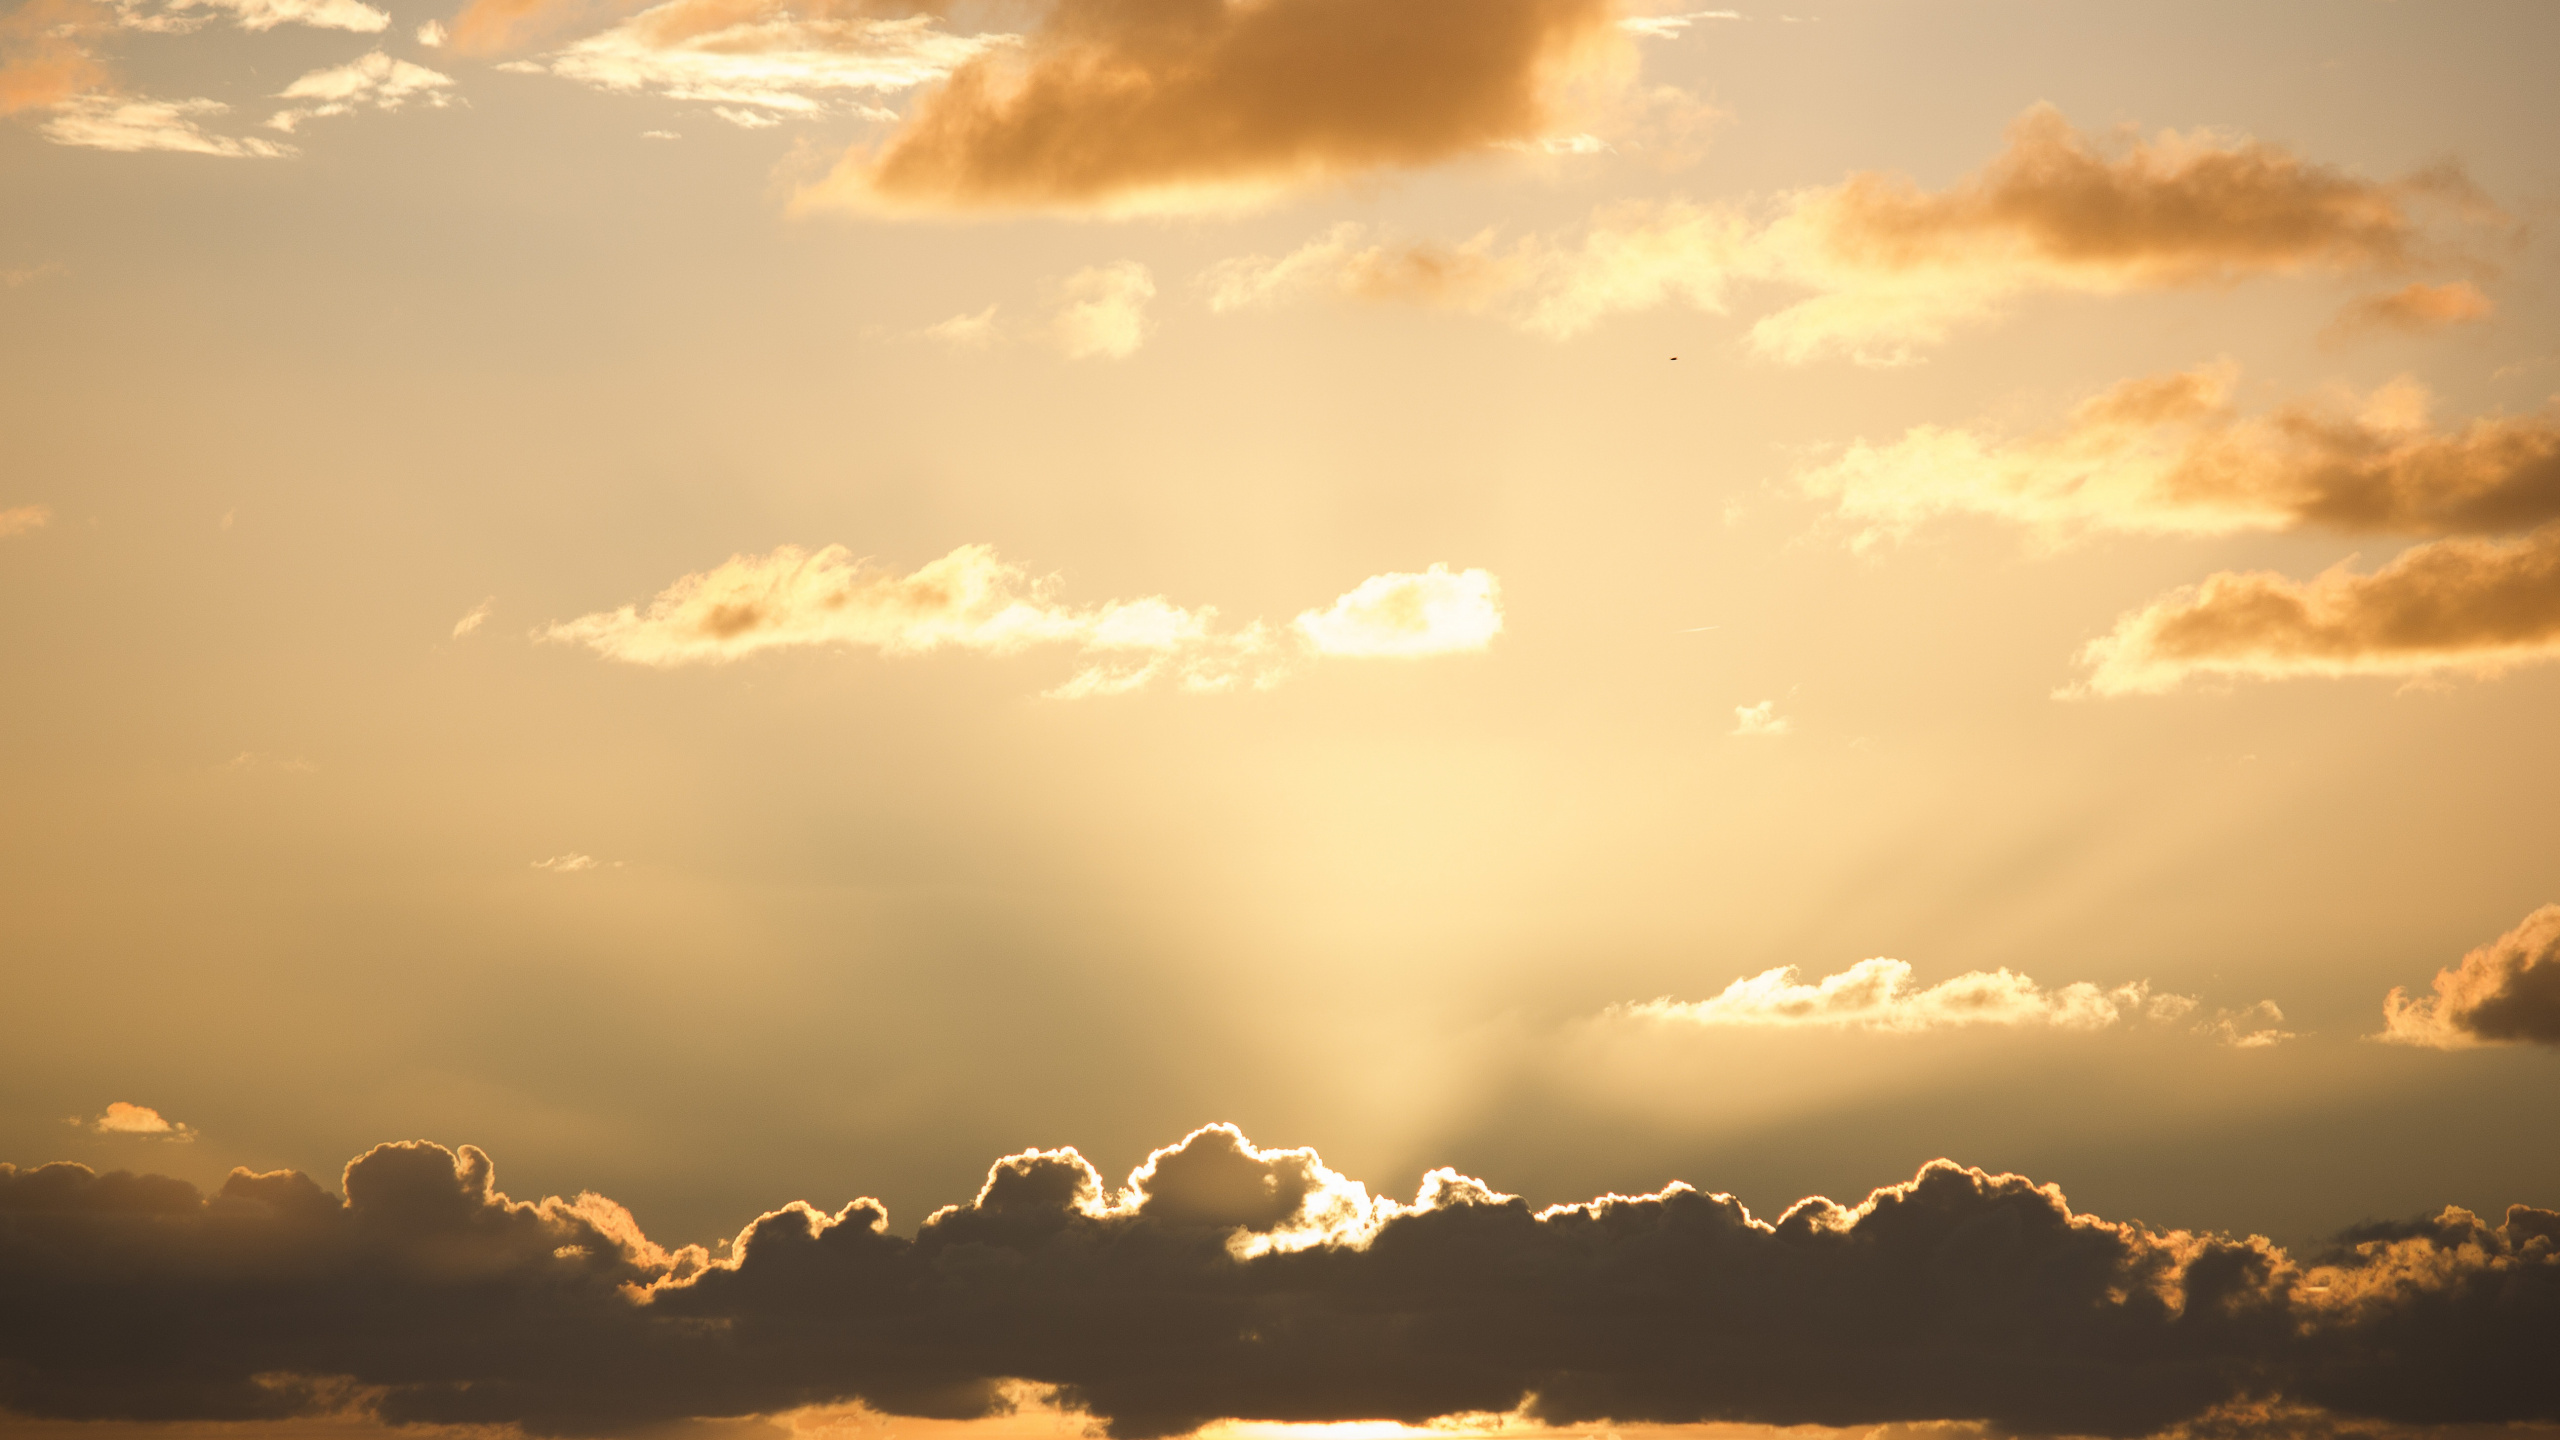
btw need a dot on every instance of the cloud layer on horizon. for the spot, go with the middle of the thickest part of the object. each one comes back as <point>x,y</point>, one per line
<point>1225,1281</point>
<point>972,600</point>
<point>1893,267</point>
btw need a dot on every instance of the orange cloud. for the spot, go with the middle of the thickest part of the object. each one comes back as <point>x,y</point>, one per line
<point>2506,992</point>
<point>2170,454</point>
<point>1892,266</point>
<point>2413,309</point>
<point>2461,605</point>
<point>123,1118</point>
<point>1880,995</point>
<point>42,60</point>
<point>1185,104</point>
<point>24,518</point>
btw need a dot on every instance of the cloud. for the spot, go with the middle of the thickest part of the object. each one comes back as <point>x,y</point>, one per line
<point>764,59</point>
<point>1228,1281</point>
<point>432,34</point>
<point>123,1118</point>
<point>1893,267</point>
<point>971,600</point>
<point>2507,992</point>
<point>1761,721</point>
<point>1126,105</point>
<point>108,122</point>
<point>2414,309</point>
<point>1103,311</point>
<point>2451,606</point>
<point>2171,454</point>
<point>1668,27</point>
<point>967,332</point>
<point>23,518</point>
<point>1880,994</point>
<point>479,615</point>
<point>370,82</point>
<point>1405,615</point>
<point>43,62</point>
<point>318,14</point>
<point>566,864</point>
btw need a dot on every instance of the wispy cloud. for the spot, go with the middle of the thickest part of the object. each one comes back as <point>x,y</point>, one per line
<point>1102,312</point>
<point>970,600</point>
<point>370,82</point>
<point>1760,722</point>
<point>473,619</point>
<point>2414,309</point>
<point>107,122</point>
<point>23,518</point>
<point>268,14</point>
<point>569,863</point>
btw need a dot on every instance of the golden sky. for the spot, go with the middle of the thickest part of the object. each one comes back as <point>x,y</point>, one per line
<point>800,612</point>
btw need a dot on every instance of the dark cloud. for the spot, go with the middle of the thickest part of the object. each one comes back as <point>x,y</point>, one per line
<point>1227,1281</point>
<point>2506,992</point>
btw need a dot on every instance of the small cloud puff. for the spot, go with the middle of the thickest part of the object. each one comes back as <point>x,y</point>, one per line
<point>2414,309</point>
<point>370,82</point>
<point>1103,311</point>
<point>1761,721</point>
<point>1405,615</point>
<point>566,864</point>
<point>2507,992</point>
<point>138,1121</point>
<point>23,518</point>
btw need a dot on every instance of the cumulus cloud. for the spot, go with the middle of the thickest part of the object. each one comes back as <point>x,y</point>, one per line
<point>759,60</point>
<point>2507,992</point>
<point>1103,311</point>
<point>109,122</point>
<point>1880,994</point>
<point>1891,266</point>
<point>1184,104</point>
<point>1761,721</point>
<point>2460,606</point>
<point>370,82</point>
<point>1227,1281</point>
<point>2414,309</point>
<point>971,600</point>
<point>18,520</point>
<point>125,1118</point>
<point>1438,612</point>
<point>2171,454</point>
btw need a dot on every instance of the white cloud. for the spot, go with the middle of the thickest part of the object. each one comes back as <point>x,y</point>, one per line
<point>473,621</point>
<point>106,122</point>
<point>1399,614</point>
<point>1761,720</point>
<point>136,1120</point>
<point>318,14</point>
<point>1103,311</point>
<point>23,518</point>
<point>566,864</point>
<point>1668,27</point>
<point>369,82</point>
<point>971,600</point>
<point>1879,994</point>
<point>432,34</point>
<point>765,56</point>
<point>968,332</point>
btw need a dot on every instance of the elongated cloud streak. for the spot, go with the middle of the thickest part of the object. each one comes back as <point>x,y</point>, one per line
<point>20,519</point>
<point>1224,1280</point>
<point>2451,606</point>
<point>763,59</point>
<point>2413,309</point>
<point>2507,992</point>
<point>369,82</point>
<point>2171,454</point>
<point>971,600</point>
<point>1892,266</point>
<point>126,1118</point>
<point>106,122</point>
<point>1880,994</point>
<point>1184,104</point>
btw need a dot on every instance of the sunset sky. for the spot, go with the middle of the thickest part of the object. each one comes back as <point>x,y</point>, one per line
<point>745,602</point>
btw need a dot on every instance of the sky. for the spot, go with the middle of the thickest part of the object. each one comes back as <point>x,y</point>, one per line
<point>805,717</point>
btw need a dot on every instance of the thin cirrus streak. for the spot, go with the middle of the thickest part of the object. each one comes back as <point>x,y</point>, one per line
<point>1120,108</point>
<point>1248,1284</point>
<point>2172,454</point>
<point>2458,606</point>
<point>2507,992</point>
<point>1880,995</point>
<point>971,600</point>
<point>1893,267</point>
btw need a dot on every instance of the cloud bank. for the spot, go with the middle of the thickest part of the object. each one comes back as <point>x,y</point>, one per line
<point>2507,992</point>
<point>971,600</point>
<point>2171,454</point>
<point>1892,266</point>
<point>1228,1281</point>
<point>1120,105</point>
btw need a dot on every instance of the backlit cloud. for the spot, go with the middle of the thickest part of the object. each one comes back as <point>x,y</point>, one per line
<point>1892,266</point>
<point>1880,994</point>
<point>2171,454</point>
<point>1102,312</point>
<point>369,82</point>
<point>18,520</point>
<point>973,601</point>
<point>2462,606</point>
<point>2507,992</point>
<point>140,1121</point>
<point>760,60</point>
<point>1174,105</point>
<point>1227,1281</point>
